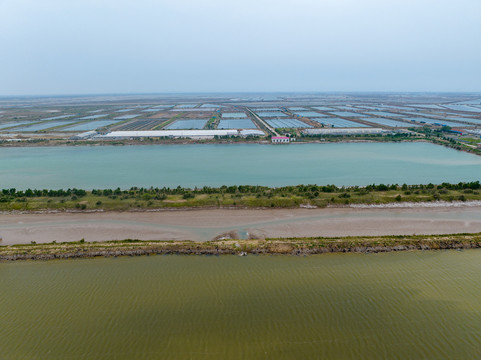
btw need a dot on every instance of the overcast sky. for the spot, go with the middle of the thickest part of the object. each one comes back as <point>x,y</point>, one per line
<point>147,46</point>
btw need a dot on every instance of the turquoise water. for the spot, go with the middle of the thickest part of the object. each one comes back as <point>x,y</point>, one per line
<point>223,164</point>
<point>414,305</point>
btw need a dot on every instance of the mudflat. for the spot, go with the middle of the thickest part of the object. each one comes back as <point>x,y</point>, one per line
<point>204,225</point>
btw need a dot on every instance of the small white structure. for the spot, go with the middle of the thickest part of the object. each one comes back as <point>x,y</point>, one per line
<point>280,139</point>
<point>249,132</point>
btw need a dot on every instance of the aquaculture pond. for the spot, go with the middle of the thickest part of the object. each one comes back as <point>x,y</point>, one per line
<point>227,164</point>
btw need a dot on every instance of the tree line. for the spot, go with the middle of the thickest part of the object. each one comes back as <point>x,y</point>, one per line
<point>301,190</point>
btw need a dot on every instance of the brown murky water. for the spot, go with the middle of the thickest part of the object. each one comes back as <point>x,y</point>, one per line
<point>399,306</point>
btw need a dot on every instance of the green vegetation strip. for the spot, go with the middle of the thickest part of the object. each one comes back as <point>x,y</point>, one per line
<point>243,196</point>
<point>288,246</point>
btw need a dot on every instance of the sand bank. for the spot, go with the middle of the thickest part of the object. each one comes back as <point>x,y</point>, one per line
<point>203,225</point>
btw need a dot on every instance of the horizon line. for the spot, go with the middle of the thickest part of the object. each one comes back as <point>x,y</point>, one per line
<point>239,92</point>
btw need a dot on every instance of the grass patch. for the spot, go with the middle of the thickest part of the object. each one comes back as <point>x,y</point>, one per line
<point>244,196</point>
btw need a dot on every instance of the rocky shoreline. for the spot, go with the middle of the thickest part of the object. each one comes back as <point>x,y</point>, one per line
<point>293,247</point>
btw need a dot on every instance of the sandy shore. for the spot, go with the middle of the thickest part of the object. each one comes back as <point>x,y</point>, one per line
<point>203,225</point>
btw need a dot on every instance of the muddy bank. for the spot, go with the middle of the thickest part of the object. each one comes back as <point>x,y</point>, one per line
<point>207,225</point>
<point>308,246</point>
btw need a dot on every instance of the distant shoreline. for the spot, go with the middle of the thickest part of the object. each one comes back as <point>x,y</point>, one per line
<point>124,142</point>
<point>152,142</point>
<point>289,246</point>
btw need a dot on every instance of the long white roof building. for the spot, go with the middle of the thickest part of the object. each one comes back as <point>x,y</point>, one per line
<point>171,133</point>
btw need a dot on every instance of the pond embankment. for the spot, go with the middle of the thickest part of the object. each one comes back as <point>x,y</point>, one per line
<point>288,246</point>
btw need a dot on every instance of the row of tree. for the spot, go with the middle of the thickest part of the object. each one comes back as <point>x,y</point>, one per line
<point>301,190</point>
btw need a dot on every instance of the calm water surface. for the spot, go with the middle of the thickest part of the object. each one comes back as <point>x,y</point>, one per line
<point>398,306</point>
<point>227,164</point>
